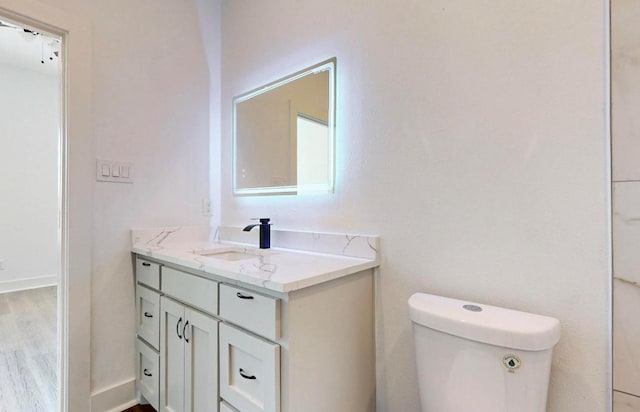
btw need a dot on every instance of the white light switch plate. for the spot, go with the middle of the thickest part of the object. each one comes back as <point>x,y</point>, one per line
<point>114,172</point>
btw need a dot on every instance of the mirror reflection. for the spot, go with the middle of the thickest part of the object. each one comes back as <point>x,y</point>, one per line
<point>283,135</point>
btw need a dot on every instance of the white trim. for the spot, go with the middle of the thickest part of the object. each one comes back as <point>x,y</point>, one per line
<point>329,65</point>
<point>28,283</point>
<point>124,406</point>
<point>76,194</point>
<point>609,195</point>
<point>115,398</point>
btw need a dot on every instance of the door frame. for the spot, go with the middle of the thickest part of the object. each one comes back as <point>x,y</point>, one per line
<point>75,193</point>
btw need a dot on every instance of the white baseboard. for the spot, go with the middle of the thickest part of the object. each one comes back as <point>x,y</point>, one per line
<point>28,283</point>
<point>115,398</point>
<point>124,406</point>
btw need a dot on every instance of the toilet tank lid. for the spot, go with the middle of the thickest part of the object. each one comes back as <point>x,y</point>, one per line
<point>484,323</point>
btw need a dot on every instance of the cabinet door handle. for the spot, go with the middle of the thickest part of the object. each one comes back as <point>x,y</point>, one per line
<point>241,296</point>
<point>244,375</point>
<point>146,264</point>
<point>147,373</point>
<point>148,315</point>
<point>184,331</point>
<point>178,327</point>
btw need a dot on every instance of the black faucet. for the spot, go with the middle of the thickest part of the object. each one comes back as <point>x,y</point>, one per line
<point>265,232</point>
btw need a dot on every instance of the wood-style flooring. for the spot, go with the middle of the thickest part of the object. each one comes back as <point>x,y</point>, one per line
<point>28,356</point>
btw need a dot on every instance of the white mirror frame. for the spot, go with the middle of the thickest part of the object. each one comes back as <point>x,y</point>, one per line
<point>327,65</point>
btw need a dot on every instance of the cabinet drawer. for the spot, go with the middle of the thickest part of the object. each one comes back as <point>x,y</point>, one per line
<point>148,315</point>
<point>196,291</point>
<point>225,407</point>
<point>249,371</point>
<point>148,273</point>
<point>147,373</point>
<point>252,311</point>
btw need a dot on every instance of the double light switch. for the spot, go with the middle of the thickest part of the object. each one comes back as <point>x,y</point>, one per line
<point>116,172</point>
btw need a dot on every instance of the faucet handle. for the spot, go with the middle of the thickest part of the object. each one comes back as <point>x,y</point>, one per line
<point>263,220</point>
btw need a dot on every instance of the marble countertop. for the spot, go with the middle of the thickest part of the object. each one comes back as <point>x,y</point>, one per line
<point>277,269</point>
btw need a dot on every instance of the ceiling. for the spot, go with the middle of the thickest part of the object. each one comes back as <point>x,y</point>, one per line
<point>27,50</point>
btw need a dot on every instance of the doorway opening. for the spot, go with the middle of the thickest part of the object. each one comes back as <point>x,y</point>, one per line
<point>30,217</point>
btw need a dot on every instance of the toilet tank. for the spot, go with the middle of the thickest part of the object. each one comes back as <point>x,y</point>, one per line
<point>481,358</point>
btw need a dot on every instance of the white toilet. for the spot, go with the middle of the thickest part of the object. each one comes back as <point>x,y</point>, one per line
<point>480,358</point>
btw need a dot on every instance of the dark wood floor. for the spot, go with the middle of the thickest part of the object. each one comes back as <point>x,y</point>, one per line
<point>141,408</point>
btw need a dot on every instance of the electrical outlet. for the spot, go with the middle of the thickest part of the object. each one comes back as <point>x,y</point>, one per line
<point>1,264</point>
<point>206,207</point>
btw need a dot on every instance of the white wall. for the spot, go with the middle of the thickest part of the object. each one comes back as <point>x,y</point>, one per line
<point>30,117</point>
<point>210,18</point>
<point>150,107</point>
<point>471,137</point>
<point>625,16</point>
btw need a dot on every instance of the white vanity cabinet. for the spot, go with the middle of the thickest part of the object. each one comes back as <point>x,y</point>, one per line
<point>177,339</point>
<point>249,364</point>
<point>309,350</point>
<point>148,330</point>
<point>224,345</point>
<point>188,359</point>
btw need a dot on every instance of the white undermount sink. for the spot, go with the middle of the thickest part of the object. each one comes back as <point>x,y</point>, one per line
<point>232,253</point>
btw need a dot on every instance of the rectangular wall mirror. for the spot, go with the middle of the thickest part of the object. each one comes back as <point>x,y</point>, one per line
<point>284,135</point>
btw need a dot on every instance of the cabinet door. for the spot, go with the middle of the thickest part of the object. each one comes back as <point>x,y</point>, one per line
<point>249,371</point>
<point>171,356</point>
<point>194,290</point>
<point>148,315</point>
<point>251,311</point>
<point>147,372</point>
<point>201,362</point>
<point>225,407</point>
<point>148,273</point>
